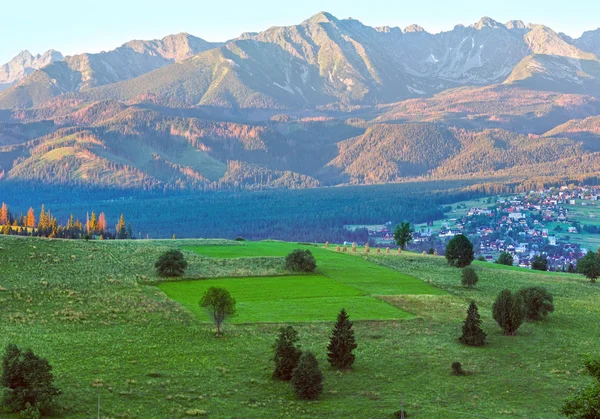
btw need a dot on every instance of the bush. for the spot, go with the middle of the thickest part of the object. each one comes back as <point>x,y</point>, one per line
<point>505,258</point>
<point>240,239</point>
<point>28,382</point>
<point>457,369</point>
<point>459,252</point>
<point>586,402</point>
<point>287,353</point>
<point>481,258</point>
<point>341,343</point>
<point>469,277</point>
<point>539,263</point>
<point>220,305</point>
<point>509,312</point>
<point>301,261</point>
<point>171,263</point>
<point>307,378</point>
<point>537,301</point>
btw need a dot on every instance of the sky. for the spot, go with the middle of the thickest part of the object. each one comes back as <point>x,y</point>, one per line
<point>76,26</point>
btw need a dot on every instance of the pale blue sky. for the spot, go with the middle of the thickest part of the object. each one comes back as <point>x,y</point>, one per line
<point>75,26</point>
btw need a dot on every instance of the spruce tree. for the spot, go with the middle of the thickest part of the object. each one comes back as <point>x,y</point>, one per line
<point>341,343</point>
<point>307,378</point>
<point>287,353</point>
<point>472,333</point>
<point>509,311</point>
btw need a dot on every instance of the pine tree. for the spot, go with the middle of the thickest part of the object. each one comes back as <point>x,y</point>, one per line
<point>287,353</point>
<point>121,229</point>
<point>472,333</point>
<point>509,312</point>
<point>342,343</point>
<point>307,378</point>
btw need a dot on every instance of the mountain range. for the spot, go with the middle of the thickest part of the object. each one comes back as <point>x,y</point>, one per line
<point>326,102</point>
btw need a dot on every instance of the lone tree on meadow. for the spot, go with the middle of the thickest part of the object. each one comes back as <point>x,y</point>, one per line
<point>505,258</point>
<point>589,266</point>
<point>287,353</point>
<point>472,333</point>
<point>219,304</point>
<point>27,380</point>
<point>307,378</point>
<point>539,263</point>
<point>403,234</point>
<point>342,343</point>
<point>459,251</point>
<point>171,263</point>
<point>538,303</point>
<point>509,312</point>
<point>585,403</point>
<point>301,261</point>
<point>469,277</point>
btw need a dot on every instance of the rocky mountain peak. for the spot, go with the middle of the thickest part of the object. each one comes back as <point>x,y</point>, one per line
<point>414,28</point>
<point>487,22</point>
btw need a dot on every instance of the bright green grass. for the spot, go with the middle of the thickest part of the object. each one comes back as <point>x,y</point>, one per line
<point>285,299</point>
<point>346,268</point>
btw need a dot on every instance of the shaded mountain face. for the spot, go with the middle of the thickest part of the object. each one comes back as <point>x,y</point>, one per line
<point>326,102</point>
<point>23,65</point>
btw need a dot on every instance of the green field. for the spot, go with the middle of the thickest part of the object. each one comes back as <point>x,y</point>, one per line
<point>97,311</point>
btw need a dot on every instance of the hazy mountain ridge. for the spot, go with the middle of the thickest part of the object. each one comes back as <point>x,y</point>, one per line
<point>23,65</point>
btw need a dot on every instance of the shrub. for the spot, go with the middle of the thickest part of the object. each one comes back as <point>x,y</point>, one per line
<point>459,252</point>
<point>341,343</point>
<point>505,258</point>
<point>472,333</point>
<point>457,369</point>
<point>509,312</point>
<point>589,266</point>
<point>220,305</point>
<point>538,302</point>
<point>481,258</point>
<point>171,263</point>
<point>301,261</point>
<point>28,381</point>
<point>586,402</point>
<point>240,239</point>
<point>539,263</point>
<point>307,378</point>
<point>287,353</point>
<point>469,277</point>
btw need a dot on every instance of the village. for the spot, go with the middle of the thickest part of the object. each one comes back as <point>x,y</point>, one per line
<point>560,224</point>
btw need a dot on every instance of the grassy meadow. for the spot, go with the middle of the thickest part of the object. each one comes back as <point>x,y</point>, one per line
<point>97,311</point>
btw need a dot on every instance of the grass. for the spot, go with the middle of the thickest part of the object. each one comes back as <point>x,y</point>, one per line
<point>93,310</point>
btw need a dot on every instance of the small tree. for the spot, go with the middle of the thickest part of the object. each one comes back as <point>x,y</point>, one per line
<point>287,353</point>
<point>27,380</point>
<point>459,251</point>
<point>589,266</point>
<point>505,258</point>
<point>472,333</point>
<point>342,343</point>
<point>469,277</point>
<point>509,312</point>
<point>220,305</point>
<point>538,302</point>
<point>586,402</point>
<point>301,261</point>
<point>403,234</point>
<point>307,378</point>
<point>171,263</point>
<point>539,263</point>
